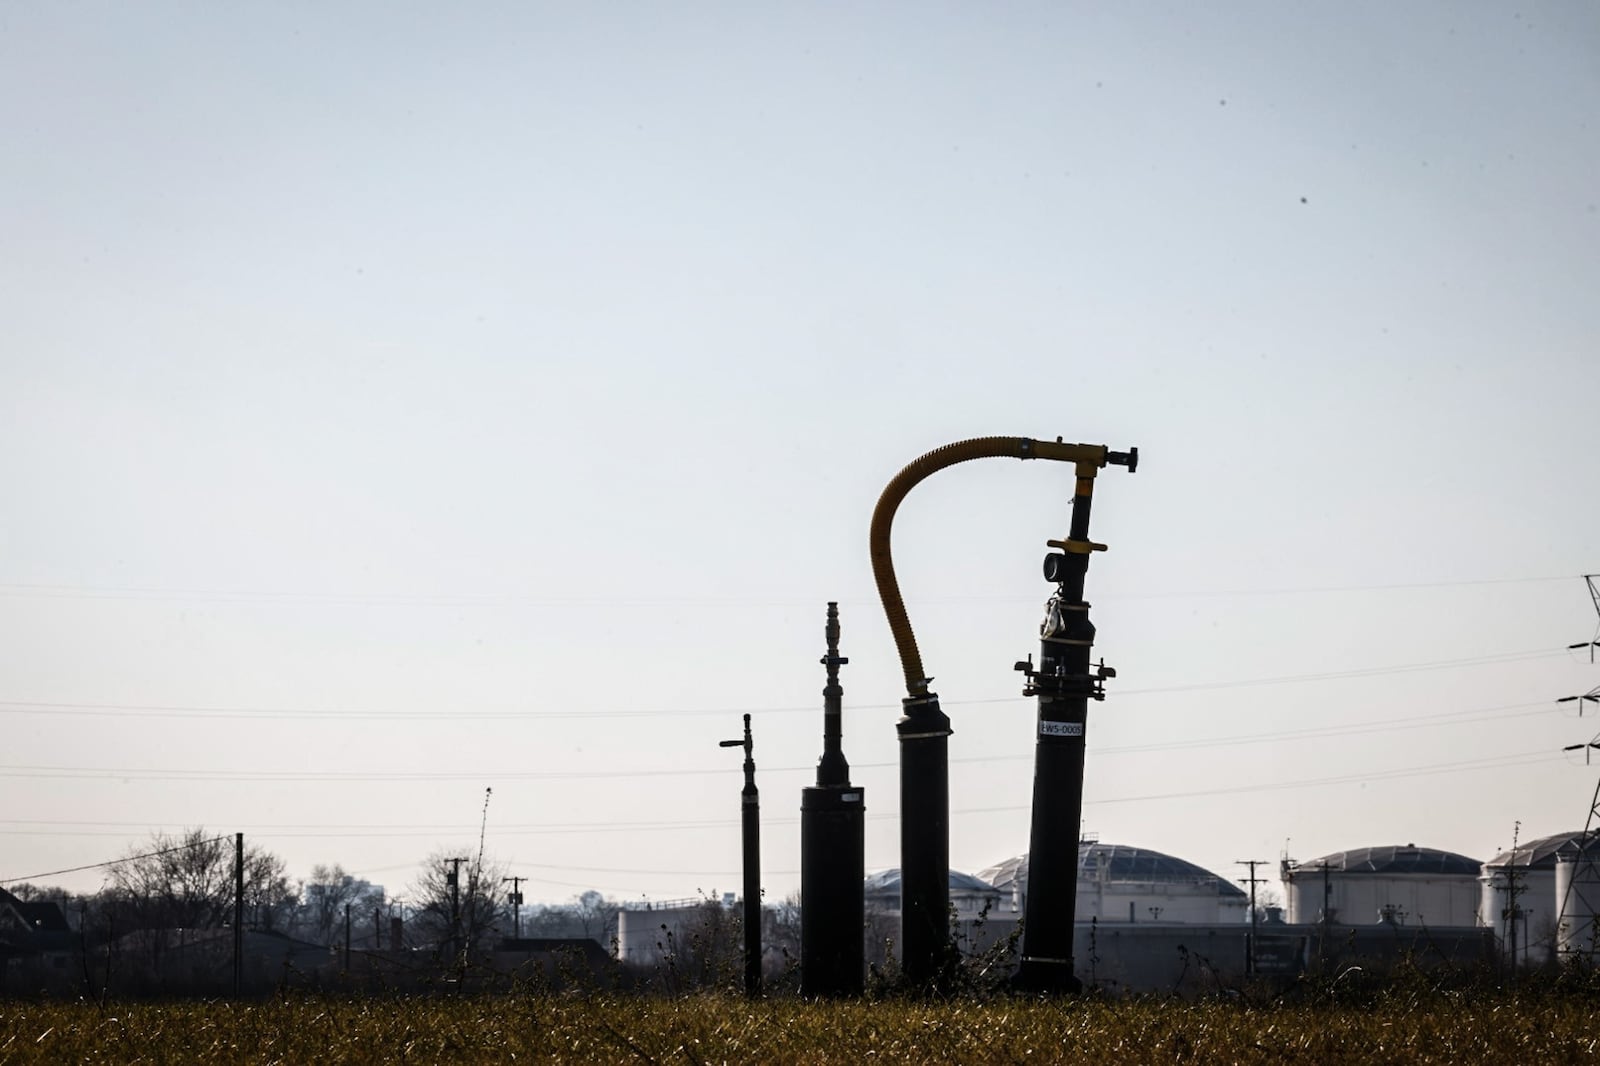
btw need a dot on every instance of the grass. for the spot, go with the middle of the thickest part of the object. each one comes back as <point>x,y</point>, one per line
<point>713,1028</point>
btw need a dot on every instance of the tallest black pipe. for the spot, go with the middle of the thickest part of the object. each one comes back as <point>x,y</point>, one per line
<point>1064,686</point>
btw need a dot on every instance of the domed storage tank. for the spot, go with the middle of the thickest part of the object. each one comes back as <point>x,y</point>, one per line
<point>970,897</point>
<point>1398,883</point>
<point>1118,883</point>
<point>1531,870</point>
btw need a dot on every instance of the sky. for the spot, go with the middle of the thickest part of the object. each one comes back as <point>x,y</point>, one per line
<point>404,401</point>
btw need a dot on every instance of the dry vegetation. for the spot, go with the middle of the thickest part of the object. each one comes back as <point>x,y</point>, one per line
<point>714,1028</point>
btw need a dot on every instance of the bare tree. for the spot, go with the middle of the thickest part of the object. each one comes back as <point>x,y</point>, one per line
<point>182,881</point>
<point>269,898</point>
<point>543,920</point>
<point>708,949</point>
<point>782,929</point>
<point>458,902</point>
<point>588,914</point>
<point>1267,898</point>
<point>595,916</point>
<point>324,896</point>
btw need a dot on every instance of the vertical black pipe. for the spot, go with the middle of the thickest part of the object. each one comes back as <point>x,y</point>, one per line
<point>750,808</point>
<point>1064,685</point>
<point>832,853</point>
<point>751,802</point>
<point>238,913</point>
<point>924,732</point>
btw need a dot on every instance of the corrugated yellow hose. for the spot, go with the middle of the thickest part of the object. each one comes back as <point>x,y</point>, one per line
<point>883,519</point>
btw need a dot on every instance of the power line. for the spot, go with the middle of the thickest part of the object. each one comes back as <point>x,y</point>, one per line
<point>1421,721</point>
<point>269,831</point>
<point>136,710</point>
<point>115,862</point>
<point>137,593</point>
<point>216,774</point>
<point>368,827</point>
<point>47,772</point>
<point>1521,759</point>
<point>1440,664</point>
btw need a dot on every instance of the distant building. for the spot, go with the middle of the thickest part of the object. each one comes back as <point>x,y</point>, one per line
<point>35,942</point>
<point>1400,884</point>
<point>1527,875</point>
<point>1118,883</point>
<point>970,897</point>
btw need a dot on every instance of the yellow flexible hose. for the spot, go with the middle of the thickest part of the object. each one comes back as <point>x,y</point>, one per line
<point>903,482</point>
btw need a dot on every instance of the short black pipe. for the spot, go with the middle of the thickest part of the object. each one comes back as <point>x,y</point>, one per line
<point>750,824</point>
<point>832,911</point>
<point>832,853</point>
<point>925,946</point>
<point>751,802</point>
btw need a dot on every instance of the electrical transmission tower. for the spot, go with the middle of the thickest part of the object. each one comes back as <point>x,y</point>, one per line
<point>1594,594</point>
<point>1578,881</point>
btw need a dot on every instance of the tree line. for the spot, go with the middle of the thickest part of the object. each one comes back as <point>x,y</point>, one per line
<point>187,881</point>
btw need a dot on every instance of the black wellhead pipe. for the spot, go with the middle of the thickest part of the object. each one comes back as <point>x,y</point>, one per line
<point>832,853</point>
<point>924,729</point>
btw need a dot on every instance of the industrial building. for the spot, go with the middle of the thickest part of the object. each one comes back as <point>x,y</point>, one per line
<point>1399,884</point>
<point>649,934</point>
<point>1118,883</point>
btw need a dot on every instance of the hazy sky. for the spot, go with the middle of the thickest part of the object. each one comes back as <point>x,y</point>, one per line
<point>398,401</point>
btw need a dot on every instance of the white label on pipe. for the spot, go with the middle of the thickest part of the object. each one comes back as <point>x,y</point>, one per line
<point>1061,729</point>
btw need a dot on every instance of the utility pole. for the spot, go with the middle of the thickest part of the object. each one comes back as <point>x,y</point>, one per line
<point>1253,880</point>
<point>238,913</point>
<point>347,936</point>
<point>750,806</point>
<point>1513,913</point>
<point>453,880</point>
<point>515,900</point>
<point>832,852</point>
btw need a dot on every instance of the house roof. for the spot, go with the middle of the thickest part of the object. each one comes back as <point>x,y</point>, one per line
<point>40,916</point>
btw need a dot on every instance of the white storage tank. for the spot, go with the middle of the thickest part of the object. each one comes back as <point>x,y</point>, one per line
<point>1530,870</point>
<point>1118,883</point>
<point>970,897</point>
<point>650,933</point>
<point>1399,883</point>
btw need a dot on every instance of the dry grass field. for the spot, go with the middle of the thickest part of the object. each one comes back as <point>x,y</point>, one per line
<point>711,1028</point>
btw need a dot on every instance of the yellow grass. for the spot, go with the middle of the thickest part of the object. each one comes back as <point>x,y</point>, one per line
<point>720,1028</point>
